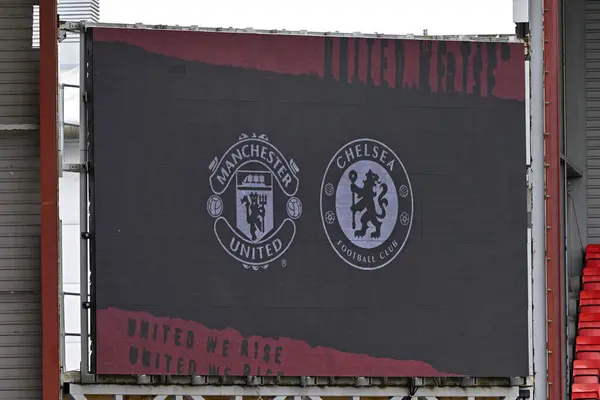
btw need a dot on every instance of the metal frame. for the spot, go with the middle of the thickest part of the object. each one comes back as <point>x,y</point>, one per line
<point>86,376</point>
<point>78,392</point>
<point>538,218</point>
<point>82,170</point>
<point>355,387</point>
<point>81,26</point>
<point>530,184</point>
<point>85,382</point>
<point>61,126</point>
<point>65,167</point>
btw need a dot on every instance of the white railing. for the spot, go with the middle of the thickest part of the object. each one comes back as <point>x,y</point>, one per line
<point>71,215</point>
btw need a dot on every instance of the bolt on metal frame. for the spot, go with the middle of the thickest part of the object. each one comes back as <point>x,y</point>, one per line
<point>79,392</point>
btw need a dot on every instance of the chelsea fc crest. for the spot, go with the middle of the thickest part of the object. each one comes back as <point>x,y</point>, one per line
<point>366,204</point>
<point>253,201</point>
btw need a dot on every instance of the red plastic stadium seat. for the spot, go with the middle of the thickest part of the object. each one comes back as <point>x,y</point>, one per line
<point>594,349</point>
<point>588,325</point>
<point>591,270</point>
<point>584,395</point>
<point>589,355</point>
<point>586,372</point>
<point>590,309</point>
<point>586,388</point>
<point>588,302</point>
<point>590,278</point>
<point>588,347</point>
<point>592,285</point>
<point>585,379</point>
<point>587,340</point>
<point>589,332</point>
<point>589,294</point>
<point>589,317</point>
<point>584,364</point>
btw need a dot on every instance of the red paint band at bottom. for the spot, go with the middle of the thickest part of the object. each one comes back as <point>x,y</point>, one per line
<point>139,343</point>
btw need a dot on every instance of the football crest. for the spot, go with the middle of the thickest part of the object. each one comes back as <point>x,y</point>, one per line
<point>253,201</point>
<point>366,204</point>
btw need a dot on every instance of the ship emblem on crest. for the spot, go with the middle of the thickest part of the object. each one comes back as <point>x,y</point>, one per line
<point>366,204</point>
<point>254,201</point>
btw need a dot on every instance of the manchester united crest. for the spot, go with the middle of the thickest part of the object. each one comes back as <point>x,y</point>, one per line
<point>254,201</point>
<point>366,204</point>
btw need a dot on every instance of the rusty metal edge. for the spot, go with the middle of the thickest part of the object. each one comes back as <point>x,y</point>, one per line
<point>554,251</point>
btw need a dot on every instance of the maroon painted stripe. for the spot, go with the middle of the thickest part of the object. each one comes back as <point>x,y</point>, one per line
<point>225,350</point>
<point>295,55</point>
<point>49,201</point>
<point>306,55</point>
<point>411,66</point>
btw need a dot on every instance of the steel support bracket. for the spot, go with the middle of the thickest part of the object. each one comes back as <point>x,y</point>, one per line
<point>71,26</point>
<point>518,381</point>
<point>313,392</point>
<point>88,378</point>
<point>74,167</point>
<point>417,382</point>
<point>62,35</point>
<point>468,382</point>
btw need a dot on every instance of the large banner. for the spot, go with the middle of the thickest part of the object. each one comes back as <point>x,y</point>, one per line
<point>307,206</point>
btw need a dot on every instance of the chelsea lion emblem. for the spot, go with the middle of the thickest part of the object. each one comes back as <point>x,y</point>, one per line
<point>366,204</point>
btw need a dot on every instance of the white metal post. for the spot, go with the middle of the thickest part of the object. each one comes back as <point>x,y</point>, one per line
<point>61,128</point>
<point>63,344</point>
<point>61,150</point>
<point>538,218</point>
<point>529,211</point>
<point>83,218</point>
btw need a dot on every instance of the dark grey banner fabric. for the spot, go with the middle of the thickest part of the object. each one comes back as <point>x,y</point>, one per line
<point>339,216</point>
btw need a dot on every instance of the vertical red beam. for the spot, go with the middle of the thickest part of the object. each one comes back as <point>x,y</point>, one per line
<point>554,256</point>
<point>49,199</point>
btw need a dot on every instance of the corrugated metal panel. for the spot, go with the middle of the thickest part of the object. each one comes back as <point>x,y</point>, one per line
<point>20,306</point>
<point>20,309</point>
<point>592,93</point>
<point>19,64</point>
<point>78,10</point>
